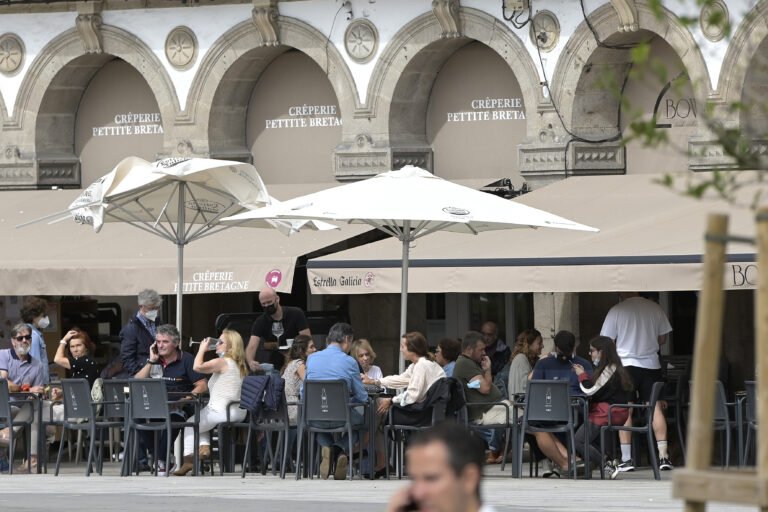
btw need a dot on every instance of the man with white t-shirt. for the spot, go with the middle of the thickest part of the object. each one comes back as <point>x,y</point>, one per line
<point>639,327</point>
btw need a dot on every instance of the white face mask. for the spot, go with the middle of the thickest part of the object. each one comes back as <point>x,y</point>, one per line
<point>151,315</point>
<point>43,323</point>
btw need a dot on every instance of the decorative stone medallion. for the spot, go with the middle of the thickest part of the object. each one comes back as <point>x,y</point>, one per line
<point>11,53</point>
<point>714,20</point>
<point>361,40</point>
<point>545,30</point>
<point>181,47</point>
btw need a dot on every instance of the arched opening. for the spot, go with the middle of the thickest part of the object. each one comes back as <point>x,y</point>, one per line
<point>293,121</point>
<point>97,110</point>
<point>474,126</point>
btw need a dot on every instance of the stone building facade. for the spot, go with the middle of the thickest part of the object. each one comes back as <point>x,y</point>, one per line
<point>322,91</point>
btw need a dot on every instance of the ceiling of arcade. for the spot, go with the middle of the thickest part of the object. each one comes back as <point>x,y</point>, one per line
<point>408,112</point>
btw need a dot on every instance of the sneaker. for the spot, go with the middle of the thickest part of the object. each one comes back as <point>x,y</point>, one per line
<point>665,464</point>
<point>610,471</point>
<point>4,466</point>
<point>551,470</point>
<point>626,465</point>
<point>162,470</point>
<point>325,462</point>
<point>342,463</point>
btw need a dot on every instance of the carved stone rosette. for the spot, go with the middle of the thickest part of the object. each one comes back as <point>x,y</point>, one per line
<point>447,14</point>
<point>361,40</point>
<point>264,16</point>
<point>545,30</point>
<point>181,47</point>
<point>11,54</point>
<point>714,20</point>
<point>89,28</point>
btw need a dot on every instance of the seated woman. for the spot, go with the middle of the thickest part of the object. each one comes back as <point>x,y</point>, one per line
<point>228,371</point>
<point>609,385</point>
<point>524,356</point>
<point>363,353</point>
<point>295,370</point>
<point>417,379</point>
<point>75,354</point>
<point>448,350</point>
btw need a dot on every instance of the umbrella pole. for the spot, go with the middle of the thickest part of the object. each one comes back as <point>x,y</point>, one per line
<point>404,288</point>
<point>180,234</point>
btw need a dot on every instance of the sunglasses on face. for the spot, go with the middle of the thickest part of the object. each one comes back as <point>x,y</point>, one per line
<point>23,337</point>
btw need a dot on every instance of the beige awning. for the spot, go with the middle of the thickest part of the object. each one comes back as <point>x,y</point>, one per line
<point>70,259</point>
<point>650,239</point>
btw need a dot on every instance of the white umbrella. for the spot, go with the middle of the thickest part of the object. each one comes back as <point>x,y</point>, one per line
<point>411,203</point>
<point>179,199</point>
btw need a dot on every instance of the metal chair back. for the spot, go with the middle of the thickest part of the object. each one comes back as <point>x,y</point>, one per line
<point>114,395</point>
<point>548,400</point>
<point>5,403</point>
<point>326,400</point>
<point>148,399</point>
<point>751,401</point>
<point>77,400</point>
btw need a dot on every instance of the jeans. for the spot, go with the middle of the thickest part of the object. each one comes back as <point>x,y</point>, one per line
<point>326,439</point>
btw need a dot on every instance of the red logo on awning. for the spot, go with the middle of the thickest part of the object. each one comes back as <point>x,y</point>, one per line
<point>273,278</point>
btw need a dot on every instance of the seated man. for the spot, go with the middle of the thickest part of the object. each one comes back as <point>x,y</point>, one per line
<point>331,364</point>
<point>179,376</point>
<point>23,373</point>
<point>559,367</point>
<point>473,369</point>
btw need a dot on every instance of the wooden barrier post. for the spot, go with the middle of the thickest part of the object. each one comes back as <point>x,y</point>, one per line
<point>706,354</point>
<point>761,352</point>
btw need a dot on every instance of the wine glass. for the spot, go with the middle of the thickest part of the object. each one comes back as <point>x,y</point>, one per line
<point>277,330</point>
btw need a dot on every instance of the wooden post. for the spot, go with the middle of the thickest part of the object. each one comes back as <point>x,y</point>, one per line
<point>761,348</point>
<point>706,352</point>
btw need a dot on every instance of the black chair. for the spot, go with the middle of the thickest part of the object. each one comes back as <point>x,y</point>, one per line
<point>226,442</point>
<point>6,421</point>
<point>149,411</point>
<point>269,422</point>
<point>80,414</point>
<point>547,409</point>
<point>751,416</point>
<point>646,427</point>
<point>402,420</point>
<point>676,371</point>
<point>327,401</point>
<point>115,407</point>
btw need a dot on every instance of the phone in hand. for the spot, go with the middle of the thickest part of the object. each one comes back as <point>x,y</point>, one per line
<point>154,348</point>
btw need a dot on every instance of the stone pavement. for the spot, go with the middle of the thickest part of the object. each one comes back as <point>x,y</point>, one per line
<point>72,491</point>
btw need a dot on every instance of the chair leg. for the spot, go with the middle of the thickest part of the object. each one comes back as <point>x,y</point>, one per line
<point>168,453</point>
<point>247,451</point>
<point>506,444</point>
<point>652,453</point>
<point>386,449</point>
<point>61,450</point>
<point>91,446</point>
<point>727,445</point>
<point>602,453</point>
<point>299,445</point>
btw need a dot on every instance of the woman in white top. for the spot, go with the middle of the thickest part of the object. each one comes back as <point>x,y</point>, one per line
<point>524,356</point>
<point>365,356</point>
<point>228,371</point>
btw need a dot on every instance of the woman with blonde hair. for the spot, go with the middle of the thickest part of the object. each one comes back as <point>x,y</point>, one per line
<point>228,370</point>
<point>365,356</point>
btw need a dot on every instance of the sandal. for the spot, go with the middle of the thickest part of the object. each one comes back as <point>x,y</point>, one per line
<point>24,466</point>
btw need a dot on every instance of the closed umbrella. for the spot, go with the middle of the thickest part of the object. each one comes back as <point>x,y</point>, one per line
<point>178,199</point>
<point>408,204</point>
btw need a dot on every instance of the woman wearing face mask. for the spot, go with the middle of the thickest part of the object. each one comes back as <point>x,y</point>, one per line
<point>34,313</point>
<point>228,369</point>
<point>609,385</point>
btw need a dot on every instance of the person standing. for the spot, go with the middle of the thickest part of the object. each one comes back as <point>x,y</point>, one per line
<point>639,327</point>
<point>287,321</point>
<point>34,313</point>
<point>140,331</point>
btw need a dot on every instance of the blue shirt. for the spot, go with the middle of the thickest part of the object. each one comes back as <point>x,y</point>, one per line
<point>551,368</point>
<point>448,369</point>
<point>19,371</point>
<point>179,375</point>
<point>38,351</point>
<point>333,364</point>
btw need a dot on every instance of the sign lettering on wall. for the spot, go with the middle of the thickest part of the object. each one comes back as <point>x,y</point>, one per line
<point>490,109</point>
<point>214,282</point>
<point>744,275</point>
<point>131,124</point>
<point>307,116</point>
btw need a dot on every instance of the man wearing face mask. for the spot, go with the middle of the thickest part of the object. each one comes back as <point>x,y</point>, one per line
<point>263,344</point>
<point>34,313</point>
<point>139,333</point>
<point>23,373</point>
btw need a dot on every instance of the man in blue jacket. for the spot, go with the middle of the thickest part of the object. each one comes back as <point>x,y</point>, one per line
<point>139,333</point>
<point>333,363</point>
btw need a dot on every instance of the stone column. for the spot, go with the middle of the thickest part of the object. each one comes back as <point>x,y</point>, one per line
<point>553,312</point>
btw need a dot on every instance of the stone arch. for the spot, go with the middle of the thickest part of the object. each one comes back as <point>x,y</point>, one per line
<point>63,69</point>
<point>222,86</point>
<point>406,70</point>
<point>750,36</point>
<point>3,111</point>
<point>581,47</point>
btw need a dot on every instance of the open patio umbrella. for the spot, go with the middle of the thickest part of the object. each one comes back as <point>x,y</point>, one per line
<point>408,204</point>
<point>178,199</point>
